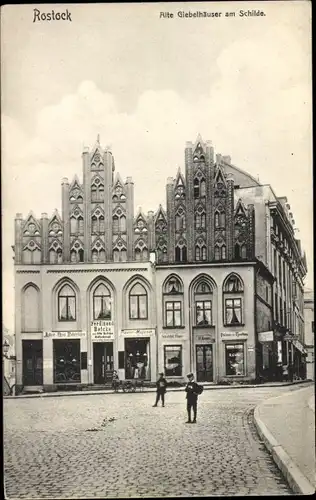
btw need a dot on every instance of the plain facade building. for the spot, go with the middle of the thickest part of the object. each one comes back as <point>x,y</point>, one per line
<point>198,286</point>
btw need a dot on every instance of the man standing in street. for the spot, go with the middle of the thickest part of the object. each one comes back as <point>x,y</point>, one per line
<point>161,389</point>
<point>192,390</point>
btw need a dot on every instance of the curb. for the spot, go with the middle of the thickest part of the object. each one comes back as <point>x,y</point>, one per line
<point>295,478</point>
<point>110,391</point>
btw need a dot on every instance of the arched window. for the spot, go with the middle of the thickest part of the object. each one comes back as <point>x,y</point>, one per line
<point>216,219</point>
<point>217,253</point>
<point>31,309</point>
<point>102,303</point>
<point>233,300</point>
<point>66,304</point>
<point>223,252</point>
<point>203,304</point>
<point>196,188</point>
<point>181,253</point>
<point>173,303</point>
<point>115,224</point>
<point>243,252</point>
<point>203,189</point>
<point>138,307</point>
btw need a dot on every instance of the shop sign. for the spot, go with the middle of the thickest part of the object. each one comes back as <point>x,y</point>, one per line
<point>206,337</point>
<point>141,332</point>
<point>172,335</point>
<point>234,335</point>
<point>102,330</point>
<point>64,335</point>
<point>265,336</point>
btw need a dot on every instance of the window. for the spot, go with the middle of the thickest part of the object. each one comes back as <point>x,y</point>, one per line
<point>233,284</point>
<point>102,303</point>
<point>180,222</point>
<point>181,253</point>
<point>138,302</point>
<point>223,252</point>
<point>233,312</point>
<point>203,313</point>
<point>233,290</point>
<point>66,304</point>
<point>234,354</point>
<point>173,360</point>
<point>200,251</point>
<point>173,314</point>
<point>217,253</point>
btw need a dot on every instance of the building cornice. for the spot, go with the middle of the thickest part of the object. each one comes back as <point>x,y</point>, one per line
<point>206,265</point>
<point>104,270</point>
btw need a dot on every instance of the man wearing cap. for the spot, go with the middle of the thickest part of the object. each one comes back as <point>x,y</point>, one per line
<point>161,389</point>
<point>192,397</point>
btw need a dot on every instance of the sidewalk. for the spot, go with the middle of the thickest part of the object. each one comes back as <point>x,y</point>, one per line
<point>207,386</point>
<point>287,426</point>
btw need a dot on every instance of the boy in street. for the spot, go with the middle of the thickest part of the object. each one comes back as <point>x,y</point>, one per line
<point>161,389</point>
<point>192,397</point>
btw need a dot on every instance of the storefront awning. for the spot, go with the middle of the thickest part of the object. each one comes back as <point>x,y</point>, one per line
<point>297,344</point>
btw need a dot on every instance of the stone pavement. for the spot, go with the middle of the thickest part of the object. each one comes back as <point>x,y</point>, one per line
<point>118,446</point>
<point>289,433</point>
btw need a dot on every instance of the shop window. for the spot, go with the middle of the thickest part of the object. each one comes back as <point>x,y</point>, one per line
<point>173,360</point>
<point>66,361</point>
<point>173,314</point>
<point>233,314</point>
<point>101,303</point>
<point>235,364</point>
<point>137,359</point>
<point>138,302</point>
<point>66,304</point>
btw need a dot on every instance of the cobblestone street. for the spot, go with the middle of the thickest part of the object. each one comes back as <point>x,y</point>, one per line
<point>58,447</point>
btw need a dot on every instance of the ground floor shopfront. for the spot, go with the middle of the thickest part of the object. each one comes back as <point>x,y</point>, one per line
<point>280,357</point>
<point>71,358</point>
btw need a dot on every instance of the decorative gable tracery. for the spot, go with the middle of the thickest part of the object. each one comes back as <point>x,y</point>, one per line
<point>241,236</point>
<point>161,229</point>
<point>31,241</point>
<point>75,191</point>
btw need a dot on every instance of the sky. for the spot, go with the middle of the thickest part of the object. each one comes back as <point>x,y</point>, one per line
<point>147,85</point>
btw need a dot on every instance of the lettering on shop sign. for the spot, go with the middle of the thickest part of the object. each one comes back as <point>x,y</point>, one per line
<point>63,335</point>
<point>204,338</point>
<point>172,335</point>
<point>141,332</point>
<point>234,335</point>
<point>102,330</point>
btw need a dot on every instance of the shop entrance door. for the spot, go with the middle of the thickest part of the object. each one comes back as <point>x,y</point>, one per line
<point>204,363</point>
<point>32,352</point>
<point>102,362</point>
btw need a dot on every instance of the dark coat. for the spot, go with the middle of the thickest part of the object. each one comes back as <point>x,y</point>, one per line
<point>192,391</point>
<point>161,385</point>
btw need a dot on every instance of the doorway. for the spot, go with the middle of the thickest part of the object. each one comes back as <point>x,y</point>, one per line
<point>32,355</point>
<point>137,359</point>
<point>204,363</point>
<point>102,362</point>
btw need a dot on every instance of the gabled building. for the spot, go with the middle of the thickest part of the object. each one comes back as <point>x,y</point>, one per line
<point>190,287</point>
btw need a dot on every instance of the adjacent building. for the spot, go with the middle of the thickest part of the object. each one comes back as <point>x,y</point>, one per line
<point>309,332</point>
<point>212,283</point>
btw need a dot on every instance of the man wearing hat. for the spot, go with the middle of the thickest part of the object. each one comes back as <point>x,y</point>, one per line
<point>192,397</point>
<point>161,389</point>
